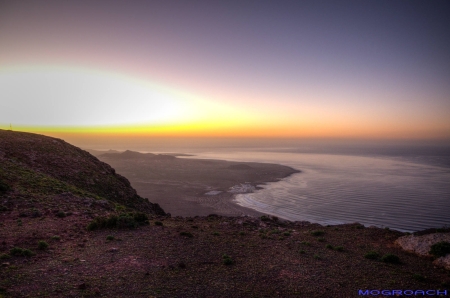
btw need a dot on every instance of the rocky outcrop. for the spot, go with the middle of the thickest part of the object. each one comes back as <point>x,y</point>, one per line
<point>421,245</point>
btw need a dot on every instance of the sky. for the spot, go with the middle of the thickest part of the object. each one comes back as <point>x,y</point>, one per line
<point>86,70</point>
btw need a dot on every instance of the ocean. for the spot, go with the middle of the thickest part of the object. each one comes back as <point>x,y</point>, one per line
<point>406,192</point>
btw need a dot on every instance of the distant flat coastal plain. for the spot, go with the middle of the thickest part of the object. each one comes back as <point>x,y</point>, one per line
<point>190,187</point>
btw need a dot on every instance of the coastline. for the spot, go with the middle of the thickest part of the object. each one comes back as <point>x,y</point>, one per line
<point>195,187</point>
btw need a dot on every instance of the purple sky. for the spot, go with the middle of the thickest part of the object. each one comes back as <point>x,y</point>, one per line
<point>322,68</point>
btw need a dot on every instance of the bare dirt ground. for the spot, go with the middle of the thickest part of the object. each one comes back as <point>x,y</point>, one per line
<point>184,257</point>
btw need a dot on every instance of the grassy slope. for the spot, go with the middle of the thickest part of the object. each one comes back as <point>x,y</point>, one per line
<point>37,165</point>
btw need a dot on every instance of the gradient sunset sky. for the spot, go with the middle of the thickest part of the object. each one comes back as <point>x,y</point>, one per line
<point>308,69</point>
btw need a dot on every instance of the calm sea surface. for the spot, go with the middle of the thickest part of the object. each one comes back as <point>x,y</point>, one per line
<point>402,193</point>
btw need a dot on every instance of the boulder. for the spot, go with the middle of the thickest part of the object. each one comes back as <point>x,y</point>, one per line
<point>421,245</point>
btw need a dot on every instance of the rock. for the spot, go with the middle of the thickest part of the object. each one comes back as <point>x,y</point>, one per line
<point>421,245</point>
<point>6,264</point>
<point>443,262</point>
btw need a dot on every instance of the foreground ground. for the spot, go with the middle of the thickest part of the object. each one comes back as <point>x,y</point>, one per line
<point>184,257</point>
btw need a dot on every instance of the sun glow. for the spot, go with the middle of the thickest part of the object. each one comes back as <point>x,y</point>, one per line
<point>76,100</point>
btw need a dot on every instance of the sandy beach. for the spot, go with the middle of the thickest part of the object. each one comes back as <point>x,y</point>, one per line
<point>190,187</point>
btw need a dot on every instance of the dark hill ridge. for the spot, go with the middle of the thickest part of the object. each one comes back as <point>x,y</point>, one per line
<point>128,154</point>
<point>37,164</point>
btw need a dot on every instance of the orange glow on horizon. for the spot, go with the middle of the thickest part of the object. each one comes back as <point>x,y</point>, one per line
<point>249,130</point>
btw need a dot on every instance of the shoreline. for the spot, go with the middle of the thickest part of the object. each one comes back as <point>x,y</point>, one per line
<point>195,187</point>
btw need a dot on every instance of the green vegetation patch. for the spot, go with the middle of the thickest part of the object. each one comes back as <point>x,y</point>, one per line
<point>30,181</point>
<point>129,220</point>
<point>4,187</point>
<point>227,260</point>
<point>4,256</point>
<point>390,258</point>
<point>17,251</point>
<point>372,255</point>
<point>317,233</point>
<point>186,234</point>
<point>61,214</point>
<point>440,249</point>
<point>42,245</point>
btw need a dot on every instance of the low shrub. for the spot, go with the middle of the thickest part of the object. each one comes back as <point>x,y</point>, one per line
<point>339,248</point>
<point>125,221</point>
<point>109,237</point>
<point>141,218</point>
<point>329,246</point>
<point>372,255</point>
<point>122,221</point>
<point>321,239</point>
<point>227,260</point>
<point>440,249</point>
<point>317,233</point>
<point>56,237</point>
<point>61,214</point>
<point>17,251</point>
<point>4,256</point>
<point>42,245</point>
<point>216,234</point>
<point>4,187</point>
<point>158,223</point>
<point>186,234</point>
<point>390,258</point>
<point>317,257</point>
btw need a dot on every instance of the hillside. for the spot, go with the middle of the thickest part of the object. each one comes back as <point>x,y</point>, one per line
<point>39,167</point>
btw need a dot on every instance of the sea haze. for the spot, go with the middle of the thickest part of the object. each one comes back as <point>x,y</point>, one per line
<point>401,187</point>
